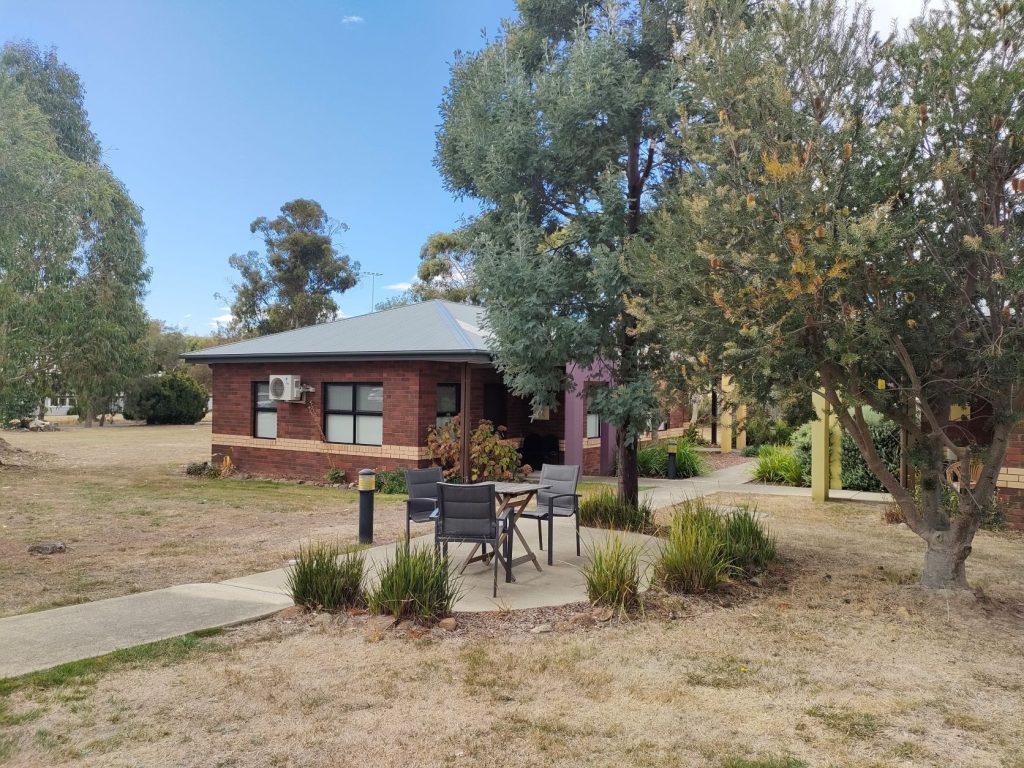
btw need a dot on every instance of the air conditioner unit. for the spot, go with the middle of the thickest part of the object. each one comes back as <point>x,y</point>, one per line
<point>286,388</point>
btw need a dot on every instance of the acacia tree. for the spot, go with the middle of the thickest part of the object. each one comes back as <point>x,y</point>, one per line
<point>72,264</point>
<point>853,225</point>
<point>293,284</point>
<point>559,128</point>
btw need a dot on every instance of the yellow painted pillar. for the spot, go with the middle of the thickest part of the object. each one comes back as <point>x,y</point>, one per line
<point>741,428</point>
<point>835,447</point>
<point>725,422</point>
<point>820,449</point>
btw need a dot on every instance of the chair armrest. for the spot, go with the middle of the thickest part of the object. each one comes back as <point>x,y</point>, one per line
<point>564,496</point>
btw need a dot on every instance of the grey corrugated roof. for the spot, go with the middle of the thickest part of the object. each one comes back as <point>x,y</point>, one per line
<point>429,329</point>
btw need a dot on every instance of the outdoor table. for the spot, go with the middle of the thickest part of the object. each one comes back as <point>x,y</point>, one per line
<point>513,498</point>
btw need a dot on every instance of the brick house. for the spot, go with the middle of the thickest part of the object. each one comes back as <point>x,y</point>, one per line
<point>374,385</point>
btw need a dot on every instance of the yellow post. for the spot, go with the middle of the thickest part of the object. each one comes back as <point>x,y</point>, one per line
<point>835,448</point>
<point>726,420</point>
<point>741,429</point>
<point>821,459</point>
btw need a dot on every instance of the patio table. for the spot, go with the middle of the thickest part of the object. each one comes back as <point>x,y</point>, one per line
<point>512,499</point>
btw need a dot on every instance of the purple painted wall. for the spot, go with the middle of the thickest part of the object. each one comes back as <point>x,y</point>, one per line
<point>576,417</point>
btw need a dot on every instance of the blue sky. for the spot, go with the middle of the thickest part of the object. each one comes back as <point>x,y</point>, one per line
<point>215,112</point>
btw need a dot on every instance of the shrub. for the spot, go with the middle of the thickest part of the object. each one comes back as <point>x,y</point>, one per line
<point>885,435</point>
<point>778,464</point>
<point>335,476</point>
<point>762,430</point>
<point>694,437</point>
<point>749,451</point>
<point>327,576</point>
<point>613,574</point>
<point>695,557</point>
<point>391,481</point>
<point>689,461</point>
<point>416,583</point>
<point>174,398</point>
<point>604,509</point>
<point>490,457</point>
<point>652,461</point>
<point>196,468</point>
<point>748,542</point>
<point>800,442</point>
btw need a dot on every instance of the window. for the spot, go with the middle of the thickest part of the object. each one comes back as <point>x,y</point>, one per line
<point>448,402</point>
<point>593,420</point>
<point>264,418</point>
<point>354,413</point>
<point>494,405</point>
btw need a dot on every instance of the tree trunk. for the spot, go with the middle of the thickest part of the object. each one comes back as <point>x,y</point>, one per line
<point>629,476</point>
<point>944,560</point>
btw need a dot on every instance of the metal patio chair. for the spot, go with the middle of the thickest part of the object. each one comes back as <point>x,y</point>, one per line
<point>468,515</point>
<point>559,500</point>
<point>421,506</point>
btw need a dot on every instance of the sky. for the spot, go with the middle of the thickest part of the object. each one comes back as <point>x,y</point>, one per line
<point>216,112</point>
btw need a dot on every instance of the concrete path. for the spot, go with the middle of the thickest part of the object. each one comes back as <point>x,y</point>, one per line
<point>41,640</point>
<point>36,641</point>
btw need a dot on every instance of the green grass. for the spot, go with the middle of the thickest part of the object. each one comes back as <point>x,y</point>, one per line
<point>749,544</point>
<point>416,582</point>
<point>695,557</point>
<point>613,574</point>
<point>168,651</point>
<point>604,510</point>
<point>327,576</point>
<point>852,724</point>
<point>778,464</point>
<point>762,762</point>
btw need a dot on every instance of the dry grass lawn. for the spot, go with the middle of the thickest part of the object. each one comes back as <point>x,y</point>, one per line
<point>118,497</point>
<point>838,661</point>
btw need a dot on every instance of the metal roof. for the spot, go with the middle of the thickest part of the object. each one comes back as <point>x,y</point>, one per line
<point>431,329</point>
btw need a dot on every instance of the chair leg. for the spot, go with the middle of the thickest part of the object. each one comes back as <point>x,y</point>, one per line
<point>408,531</point>
<point>494,592</point>
<point>551,539</point>
<point>540,535</point>
<point>577,516</point>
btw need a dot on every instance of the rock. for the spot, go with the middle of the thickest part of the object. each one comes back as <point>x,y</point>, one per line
<point>757,581</point>
<point>584,620</point>
<point>292,612</point>
<point>541,629</point>
<point>48,548</point>
<point>323,620</point>
<point>903,527</point>
<point>902,613</point>
<point>376,626</point>
<point>448,624</point>
<point>603,614</point>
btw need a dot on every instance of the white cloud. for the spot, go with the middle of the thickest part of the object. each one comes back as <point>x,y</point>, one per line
<point>221,319</point>
<point>350,20</point>
<point>399,286</point>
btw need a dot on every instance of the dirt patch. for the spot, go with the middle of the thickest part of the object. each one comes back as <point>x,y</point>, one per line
<point>10,456</point>
<point>719,460</point>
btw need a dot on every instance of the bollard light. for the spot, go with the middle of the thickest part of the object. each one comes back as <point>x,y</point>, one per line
<point>671,450</point>
<point>367,486</point>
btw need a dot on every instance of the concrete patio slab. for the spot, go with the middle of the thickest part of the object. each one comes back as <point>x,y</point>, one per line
<point>36,641</point>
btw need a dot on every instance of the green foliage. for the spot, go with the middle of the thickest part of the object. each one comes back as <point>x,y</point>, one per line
<point>605,509</point>
<point>197,468</point>
<point>885,435</point>
<point>706,546</point>
<point>175,398</point>
<point>327,576</point>
<point>749,451</point>
<point>695,557</point>
<point>558,128</point>
<point>689,461</point>
<point>489,457</point>
<point>652,460</point>
<point>762,430</point>
<point>416,583</point>
<point>749,544</point>
<point>763,762</point>
<point>800,443</point>
<point>72,264</point>
<point>335,476</point>
<point>293,283</point>
<point>778,464</point>
<point>17,401</point>
<point>445,271</point>
<point>613,574</point>
<point>391,481</point>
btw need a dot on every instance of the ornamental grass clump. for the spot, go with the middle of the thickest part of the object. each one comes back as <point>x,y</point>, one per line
<point>695,557</point>
<point>689,461</point>
<point>416,583</point>
<point>613,574</point>
<point>605,509</point>
<point>778,464</point>
<point>327,576</point>
<point>749,544</point>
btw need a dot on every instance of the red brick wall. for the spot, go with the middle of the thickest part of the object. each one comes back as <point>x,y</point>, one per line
<point>1012,499</point>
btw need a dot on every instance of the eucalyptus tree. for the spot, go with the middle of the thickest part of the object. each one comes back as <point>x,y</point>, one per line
<point>294,282</point>
<point>559,127</point>
<point>72,263</point>
<point>854,225</point>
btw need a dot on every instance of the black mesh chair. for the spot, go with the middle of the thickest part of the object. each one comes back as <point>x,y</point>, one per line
<point>467,514</point>
<point>558,500</point>
<point>421,507</point>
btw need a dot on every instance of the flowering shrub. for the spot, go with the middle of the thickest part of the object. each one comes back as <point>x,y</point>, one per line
<point>490,458</point>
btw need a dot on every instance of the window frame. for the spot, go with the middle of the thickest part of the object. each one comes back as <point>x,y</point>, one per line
<point>437,402</point>
<point>256,410</point>
<point>586,426</point>
<point>355,413</point>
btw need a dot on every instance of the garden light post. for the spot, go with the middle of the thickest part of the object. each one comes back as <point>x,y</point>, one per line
<point>367,486</point>
<point>671,461</point>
